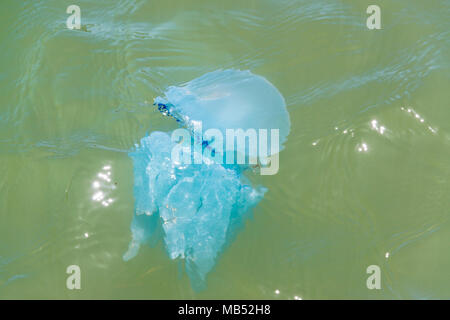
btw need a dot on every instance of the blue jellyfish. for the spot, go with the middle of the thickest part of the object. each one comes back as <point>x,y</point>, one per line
<point>197,208</point>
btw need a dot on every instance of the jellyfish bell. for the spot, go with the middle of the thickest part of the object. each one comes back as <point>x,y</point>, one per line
<point>233,100</point>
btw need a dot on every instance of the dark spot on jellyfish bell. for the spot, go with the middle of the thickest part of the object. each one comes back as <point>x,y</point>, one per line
<point>165,110</point>
<point>162,108</point>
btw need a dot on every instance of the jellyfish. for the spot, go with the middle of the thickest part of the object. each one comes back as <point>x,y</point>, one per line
<point>197,208</point>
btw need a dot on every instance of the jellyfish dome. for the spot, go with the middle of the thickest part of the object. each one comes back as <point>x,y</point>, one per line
<point>228,99</point>
<point>196,209</point>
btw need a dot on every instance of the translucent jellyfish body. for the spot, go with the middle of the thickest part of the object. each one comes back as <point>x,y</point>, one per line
<point>197,208</point>
<point>228,99</point>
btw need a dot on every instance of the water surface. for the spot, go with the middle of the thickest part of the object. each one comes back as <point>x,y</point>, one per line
<point>364,177</point>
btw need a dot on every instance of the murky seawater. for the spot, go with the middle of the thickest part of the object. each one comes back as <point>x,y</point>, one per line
<point>364,177</point>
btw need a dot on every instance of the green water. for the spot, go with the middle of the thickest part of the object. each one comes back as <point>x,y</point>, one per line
<point>350,193</point>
